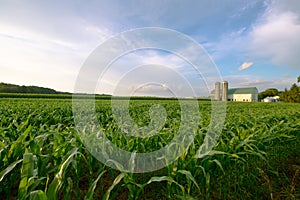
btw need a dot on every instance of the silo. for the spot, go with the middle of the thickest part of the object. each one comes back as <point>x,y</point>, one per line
<point>224,91</point>
<point>217,91</point>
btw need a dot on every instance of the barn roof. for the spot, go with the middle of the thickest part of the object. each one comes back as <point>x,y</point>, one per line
<point>249,90</point>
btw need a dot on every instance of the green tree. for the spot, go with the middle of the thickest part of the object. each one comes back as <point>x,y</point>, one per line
<point>11,88</point>
<point>284,95</point>
<point>298,80</point>
<point>270,92</point>
<point>294,95</point>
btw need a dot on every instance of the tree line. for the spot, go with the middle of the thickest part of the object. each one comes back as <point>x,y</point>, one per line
<point>291,96</point>
<point>11,88</point>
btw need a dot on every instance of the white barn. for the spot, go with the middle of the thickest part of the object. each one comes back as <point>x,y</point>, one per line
<point>249,94</point>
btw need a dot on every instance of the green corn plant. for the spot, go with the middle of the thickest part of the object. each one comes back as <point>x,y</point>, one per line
<point>9,169</point>
<point>37,195</point>
<point>255,136</point>
<point>58,180</point>
<point>114,184</point>
<point>28,175</point>
<point>91,190</point>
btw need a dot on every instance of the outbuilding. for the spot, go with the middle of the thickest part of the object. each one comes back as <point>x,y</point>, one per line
<point>271,99</point>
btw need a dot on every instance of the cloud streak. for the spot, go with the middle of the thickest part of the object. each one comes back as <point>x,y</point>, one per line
<point>236,81</point>
<point>245,65</point>
<point>277,39</point>
<point>46,43</point>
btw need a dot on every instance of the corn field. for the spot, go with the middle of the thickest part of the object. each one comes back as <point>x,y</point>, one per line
<point>42,156</point>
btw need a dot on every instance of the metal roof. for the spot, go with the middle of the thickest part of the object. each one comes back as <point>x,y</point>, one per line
<point>249,90</point>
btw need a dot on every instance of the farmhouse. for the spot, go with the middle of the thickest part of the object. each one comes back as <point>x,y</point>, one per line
<point>271,99</point>
<point>249,94</point>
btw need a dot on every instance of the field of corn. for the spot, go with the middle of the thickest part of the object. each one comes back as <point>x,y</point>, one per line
<point>42,157</point>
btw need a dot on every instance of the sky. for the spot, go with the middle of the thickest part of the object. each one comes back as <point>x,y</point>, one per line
<point>251,44</point>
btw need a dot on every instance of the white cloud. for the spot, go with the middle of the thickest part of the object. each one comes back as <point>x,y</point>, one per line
<point>277,38</point>
<point>53,39</point>
<point>31,56</point>
<point>273,37</point>
<point>145,66</point>
<point>235,81</point>
<point>155,64</point>
<point>245,65</point>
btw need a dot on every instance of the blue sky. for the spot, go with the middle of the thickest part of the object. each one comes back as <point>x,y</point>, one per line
<point>253,43</point>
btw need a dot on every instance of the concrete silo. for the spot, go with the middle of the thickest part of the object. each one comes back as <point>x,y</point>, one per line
<point>217,91</point>
<point>224,91</point>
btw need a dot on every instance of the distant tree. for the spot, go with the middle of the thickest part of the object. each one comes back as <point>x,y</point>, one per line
<point>298,80</point>
<point>11,88</point>
<point>284,95</point>
<point>292,95</point>
<point>270,92</point>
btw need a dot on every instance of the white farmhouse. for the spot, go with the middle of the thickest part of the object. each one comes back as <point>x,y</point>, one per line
<point>271,99</point>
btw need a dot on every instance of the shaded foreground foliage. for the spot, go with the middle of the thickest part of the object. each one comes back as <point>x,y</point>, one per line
<point>42,157</point>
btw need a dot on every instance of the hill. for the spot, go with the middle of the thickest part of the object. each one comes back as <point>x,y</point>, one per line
<point>12,88</point>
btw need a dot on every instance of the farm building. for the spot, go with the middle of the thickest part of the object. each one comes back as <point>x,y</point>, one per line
<point>243,94</point>
<point>271,99</point>
<point>249,94</point>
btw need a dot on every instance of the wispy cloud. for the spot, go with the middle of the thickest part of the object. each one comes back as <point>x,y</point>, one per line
<point>259,82</point>
<point>46,43</point>
<point>269,40</point>
<point>245,65</point>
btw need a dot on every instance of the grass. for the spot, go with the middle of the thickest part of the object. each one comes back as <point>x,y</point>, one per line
<point>42,155</point>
